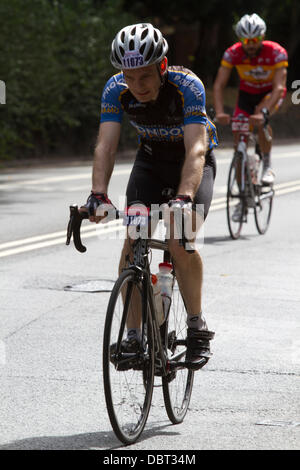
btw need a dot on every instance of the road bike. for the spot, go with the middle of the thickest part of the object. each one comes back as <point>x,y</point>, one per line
<point>129,376</point>
<point>244,186</point>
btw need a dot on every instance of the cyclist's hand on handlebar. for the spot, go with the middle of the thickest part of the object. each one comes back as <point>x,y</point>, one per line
<point>184,220</point>
<point>180,205</point>
<point>181,202</point>
<point>98,206</point>
<point>223,118</point>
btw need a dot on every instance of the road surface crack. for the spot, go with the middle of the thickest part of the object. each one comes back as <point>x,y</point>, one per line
<point>254,372</point>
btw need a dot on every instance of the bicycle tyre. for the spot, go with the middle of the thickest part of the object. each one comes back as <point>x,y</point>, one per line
<point>178,384</point>
<point>234,195</point>
<point>128,393</point>
<point>263,208</point>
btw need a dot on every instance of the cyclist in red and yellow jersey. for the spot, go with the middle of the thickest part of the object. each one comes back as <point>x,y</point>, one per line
<point>262,68</point>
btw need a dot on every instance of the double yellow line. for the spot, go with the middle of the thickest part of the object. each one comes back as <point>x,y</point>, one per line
<point>91,230</point>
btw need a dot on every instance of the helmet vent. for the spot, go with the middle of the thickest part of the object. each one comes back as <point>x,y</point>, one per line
<point>142,48</point>
<point>144,33</point>
<point>150,52</point>
<point>123,36</point>
<point>131,45</point>
<point>159,51</point>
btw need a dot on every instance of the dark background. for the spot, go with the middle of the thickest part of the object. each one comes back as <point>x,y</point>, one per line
<point>55,61</point>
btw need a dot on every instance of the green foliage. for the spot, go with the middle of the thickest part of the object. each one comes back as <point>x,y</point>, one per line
<point>55,62</point>
<point>215,20</point>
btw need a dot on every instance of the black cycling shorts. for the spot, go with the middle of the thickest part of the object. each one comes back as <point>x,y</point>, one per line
<point>150,175</point>
<point>247,102</point>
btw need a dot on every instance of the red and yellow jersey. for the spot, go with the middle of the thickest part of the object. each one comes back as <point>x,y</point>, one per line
<point>256,74</point>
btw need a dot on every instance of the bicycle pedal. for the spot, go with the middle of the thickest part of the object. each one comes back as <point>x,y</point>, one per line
<point>171,376</point>
<point>197,365</point>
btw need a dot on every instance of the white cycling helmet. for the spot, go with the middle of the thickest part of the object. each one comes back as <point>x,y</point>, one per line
<point>138,45</point>
<point>250,26</point>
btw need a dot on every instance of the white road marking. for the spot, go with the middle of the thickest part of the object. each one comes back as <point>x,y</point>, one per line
<point>40,238</point>
<point>87,231</point>
<point>59,179</point>
<point>90,231</point>
<point>121,171</point>
<point>223,161</point>
<point>292,189</point>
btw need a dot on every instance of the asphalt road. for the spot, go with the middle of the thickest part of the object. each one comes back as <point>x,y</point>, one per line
<point>51,394</point>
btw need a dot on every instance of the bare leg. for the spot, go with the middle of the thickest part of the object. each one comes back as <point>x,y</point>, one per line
<point>189,273</point>
<point>263,143</point>
<point>134,314</point>
<point>265,146</point>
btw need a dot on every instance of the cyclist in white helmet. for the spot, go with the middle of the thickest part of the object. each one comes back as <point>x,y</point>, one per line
<point>166,105</point>
<point>262,68</point>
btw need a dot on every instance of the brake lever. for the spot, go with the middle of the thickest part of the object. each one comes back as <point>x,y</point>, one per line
<point>74,226</point>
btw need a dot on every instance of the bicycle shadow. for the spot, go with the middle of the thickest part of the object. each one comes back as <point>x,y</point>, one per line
<point>225,239</point>
<point>90,441</point>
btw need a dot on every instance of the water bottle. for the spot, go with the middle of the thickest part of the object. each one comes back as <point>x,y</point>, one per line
<point>157,299</point>
<point>166,280</point>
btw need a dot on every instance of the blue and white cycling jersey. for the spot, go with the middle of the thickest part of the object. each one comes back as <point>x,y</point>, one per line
<point>160,124</point>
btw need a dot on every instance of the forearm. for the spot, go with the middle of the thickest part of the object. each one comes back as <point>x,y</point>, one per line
<point>274,98</point>
<point>218,94</point>
<point>104,160</point>
<point>192,171</point>
<point>278,89</point>
<point>218,88</point>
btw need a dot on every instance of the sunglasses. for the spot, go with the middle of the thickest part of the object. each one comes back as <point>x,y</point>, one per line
<point>251,40</point>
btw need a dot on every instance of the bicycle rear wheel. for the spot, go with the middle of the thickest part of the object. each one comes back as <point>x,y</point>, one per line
<point>234,197</point>
<point>263,207</point>
<point>178,384</point>
<point>128,377</point>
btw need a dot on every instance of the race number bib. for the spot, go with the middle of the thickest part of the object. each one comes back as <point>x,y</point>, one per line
<point>133,59</point>
<point>136,215</point>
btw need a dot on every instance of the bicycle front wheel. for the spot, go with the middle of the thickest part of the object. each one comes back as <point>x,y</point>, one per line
<point>178,384</point>
<point>263,207</point>
<point>235,214</point>
<point>128,376</point>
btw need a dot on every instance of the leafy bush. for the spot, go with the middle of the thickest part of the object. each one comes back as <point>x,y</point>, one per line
<point>55,62</point>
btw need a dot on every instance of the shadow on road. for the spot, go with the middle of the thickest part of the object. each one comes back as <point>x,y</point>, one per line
<point>221,240</point>
<point>90,441</point>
